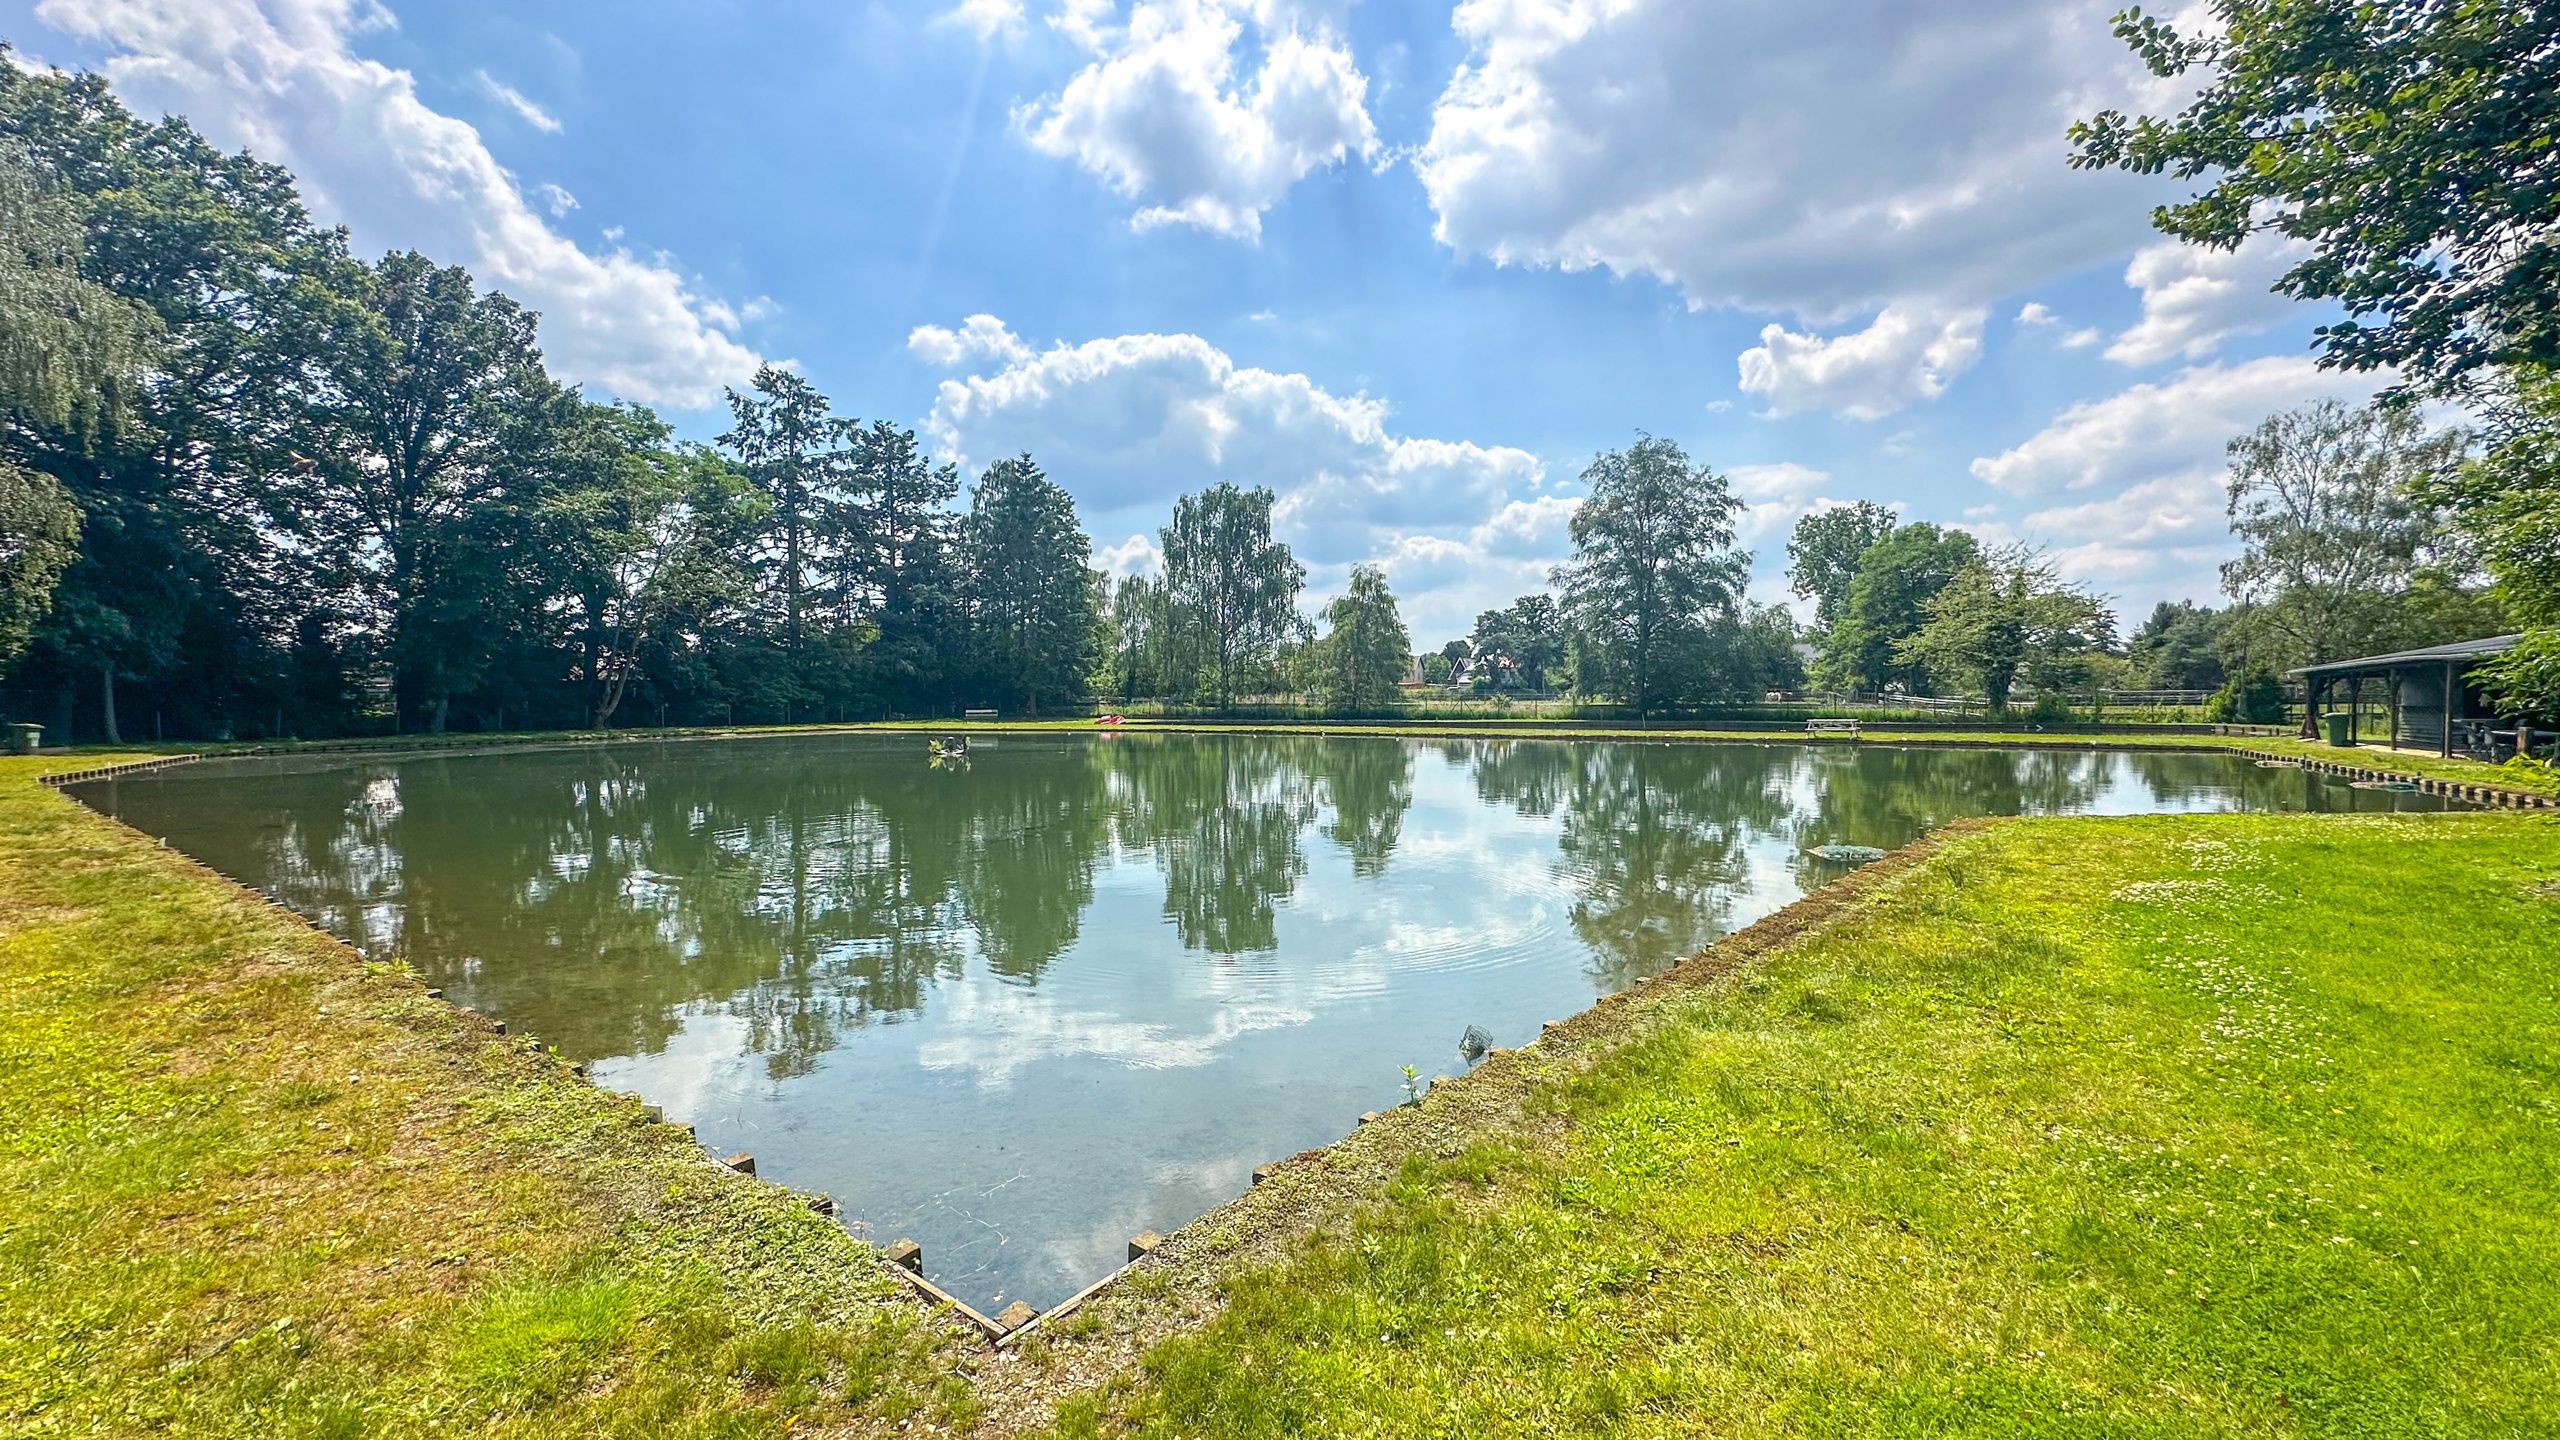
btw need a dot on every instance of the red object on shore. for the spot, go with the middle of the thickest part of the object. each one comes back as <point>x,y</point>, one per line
<point>1107,720</point>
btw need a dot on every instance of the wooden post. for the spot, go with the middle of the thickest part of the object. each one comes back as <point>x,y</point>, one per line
<point>2391,693</point>
<point>2444,743</point>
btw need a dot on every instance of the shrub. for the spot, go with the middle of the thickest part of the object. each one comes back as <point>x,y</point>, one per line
<point>2253,697</point>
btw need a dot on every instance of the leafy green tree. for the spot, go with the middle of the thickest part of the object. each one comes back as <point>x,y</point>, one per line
<point>1888,603</point>
<point>1528,635</point>
<point>795,451</point>
<point>1653,559</point>
<point>1233,589</point>
<point>1365,651</point>
<point>649,536</point>
<point>2177,647</point>
<point>178,582</point>
<point>1031,598</point>
<point>1436,669</point>
<point>2004,616</point>
<point>2506,501</point>
<point>39,538</point>
<point>1823,555</point>
<point>431,419</point>
<point>69,349</point>
<point>2252,697</point>
<point>2328,503</point>
<point>2408,142</point>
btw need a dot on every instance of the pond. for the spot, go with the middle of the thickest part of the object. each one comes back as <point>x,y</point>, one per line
<point>1025,1006</point>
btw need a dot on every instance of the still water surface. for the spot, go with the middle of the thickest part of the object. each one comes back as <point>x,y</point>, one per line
<point>1022,1009</point>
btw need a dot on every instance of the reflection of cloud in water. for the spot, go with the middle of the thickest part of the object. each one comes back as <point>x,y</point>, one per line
<point>993,1030</point>
<point>708,1057</point>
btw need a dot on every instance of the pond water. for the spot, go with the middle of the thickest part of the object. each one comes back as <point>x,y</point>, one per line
<point>1078,987</point>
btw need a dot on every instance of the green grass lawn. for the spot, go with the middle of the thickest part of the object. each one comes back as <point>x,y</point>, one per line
<point>2179,1126</point>
<point>2174,1127</point>
<point>255,1187</point>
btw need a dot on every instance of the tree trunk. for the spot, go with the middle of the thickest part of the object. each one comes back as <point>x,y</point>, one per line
<point>107,705</point>
<point>435,714</point>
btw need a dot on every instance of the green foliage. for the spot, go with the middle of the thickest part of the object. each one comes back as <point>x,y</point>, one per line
<point>2409,143</point>
<point>39,538</point>
<point>1231,590</point>
<point>2524,682</point>
<point>2005,616</point>
<point>1365,651</point>
<point>2253,697</point>
<point>1523,643</point>
<point>2329,503</point>
<point>1653,564</point>
<point>2177,648</point>
<point>1888,602</point>
<point>1824,552</point>
<point>1031,597</point>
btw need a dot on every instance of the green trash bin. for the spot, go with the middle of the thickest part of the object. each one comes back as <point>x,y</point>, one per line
<point>2341,727</point>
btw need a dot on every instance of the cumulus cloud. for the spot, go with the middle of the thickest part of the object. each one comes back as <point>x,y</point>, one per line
<point>980,337</point>
<point>1166,115</point>
<point>2194,297</point>
<point>2159,427</point>
<point>1908,353</point>
<point>516,101</point>
<point>988,19</point>
<point>282,78</point>
<point>1128,422</point>
<point>2128,489</point>
<point>1136,555</point>
<point>1773,155</point>
<point>557,199</point>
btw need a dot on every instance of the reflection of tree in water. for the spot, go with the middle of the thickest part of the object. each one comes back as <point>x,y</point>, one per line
<point>1369,785</point>
<point>1222,816</point>
<point>1530,776</point>
<point>1653,839</point>
<point>598,897</point>
<point>802,897</point>
<point>1884,797</point>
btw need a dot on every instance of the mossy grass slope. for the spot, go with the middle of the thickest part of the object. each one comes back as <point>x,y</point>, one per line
<point>2175,1127</point>
<point>253,1186</point>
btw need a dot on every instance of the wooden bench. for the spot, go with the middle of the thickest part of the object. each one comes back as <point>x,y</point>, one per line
<point>1841,729</point>
<point>977,714</point>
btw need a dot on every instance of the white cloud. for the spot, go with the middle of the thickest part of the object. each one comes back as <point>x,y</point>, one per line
<point>2156,428</point>
<point>2036,312</point>
<point>1908,353</point>
<point>1163,115</point>
<point>1129,422</point>
<point>2081,339</point>
<point>281,78</point>
<point>557,199</point>
<point>1136,555</point>
<point>516,100</point>
<point>2128,489</point>
<point>1773,498</point>
<point>980,337</point>
<point>988,19</point>
<point>2194,298</point>
<point>1774,155</point>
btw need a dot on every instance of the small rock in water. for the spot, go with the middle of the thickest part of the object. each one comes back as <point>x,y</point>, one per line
<point>1848,854</point>
<point>1474,1043</point>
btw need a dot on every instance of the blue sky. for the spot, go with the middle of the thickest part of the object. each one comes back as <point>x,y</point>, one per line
<point>1411,265</point>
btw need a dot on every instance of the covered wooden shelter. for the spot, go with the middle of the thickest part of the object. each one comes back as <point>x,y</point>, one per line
<point>2428,694</point>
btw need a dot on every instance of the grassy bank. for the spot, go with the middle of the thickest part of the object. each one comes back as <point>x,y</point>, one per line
<point>2212,1125</point>
<point>253,1186</point>
<point>2236,1125</point>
